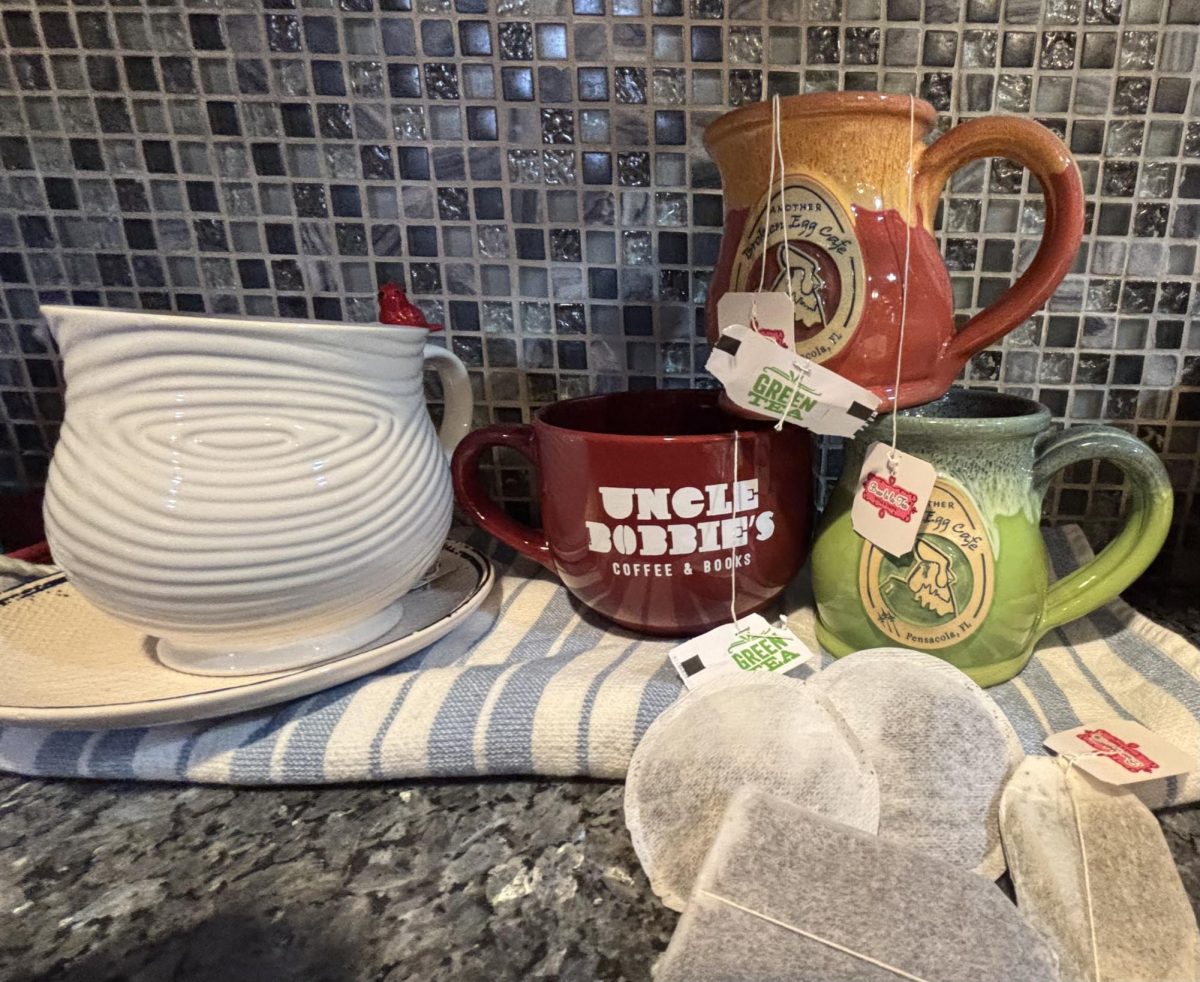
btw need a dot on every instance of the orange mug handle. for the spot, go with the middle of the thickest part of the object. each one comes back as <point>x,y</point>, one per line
<point>1047,158</point>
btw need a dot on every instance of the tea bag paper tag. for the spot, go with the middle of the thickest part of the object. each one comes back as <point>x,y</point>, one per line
<point>774,313</point>
<point>751,645</point>
<point>761,376</point>
<point>1120,751</point>
<point>893,490</point>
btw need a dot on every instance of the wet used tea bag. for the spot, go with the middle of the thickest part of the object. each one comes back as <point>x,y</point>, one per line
<point>747,730</point>
<point>787,894</point>
<point>1069,837</point>
<point>942,748</point>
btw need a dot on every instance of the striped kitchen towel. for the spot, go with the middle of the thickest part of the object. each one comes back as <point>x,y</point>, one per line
<point>537,685</point>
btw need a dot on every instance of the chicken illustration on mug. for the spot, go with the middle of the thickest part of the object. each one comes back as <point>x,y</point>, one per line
<point>806,281</point>
<point>931,579</point>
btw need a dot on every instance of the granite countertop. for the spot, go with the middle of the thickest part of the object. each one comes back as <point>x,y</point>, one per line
<point>429,880</point>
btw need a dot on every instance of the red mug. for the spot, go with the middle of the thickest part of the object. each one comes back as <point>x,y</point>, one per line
<point>643,515</point>
<point>851,224</point>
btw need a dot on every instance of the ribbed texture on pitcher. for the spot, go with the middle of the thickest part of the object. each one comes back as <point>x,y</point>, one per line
<point>245,485</point>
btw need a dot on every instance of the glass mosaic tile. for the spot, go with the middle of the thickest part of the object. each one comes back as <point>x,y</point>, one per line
<point>532,170</point>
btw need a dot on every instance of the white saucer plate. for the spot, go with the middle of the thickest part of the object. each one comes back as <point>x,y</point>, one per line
<point>67,665</point>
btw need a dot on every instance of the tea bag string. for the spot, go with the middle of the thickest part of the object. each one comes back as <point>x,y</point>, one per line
<point>829,943</point>
<point>1072,760</point>
<point>776,157</point>
<point>733,490</point>
<point>801,374</point>
<point>762,269</point>
<point>777,154</point>
<point>908,220</point>
<point>777,151</point>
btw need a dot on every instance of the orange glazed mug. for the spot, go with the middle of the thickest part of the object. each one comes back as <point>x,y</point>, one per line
<point>846,158</point>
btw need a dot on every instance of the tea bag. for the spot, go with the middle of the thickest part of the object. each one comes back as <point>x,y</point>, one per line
<point>942,748</point>
<point>1069,837</point>
<point>753,729</point>
<point>787,894</point>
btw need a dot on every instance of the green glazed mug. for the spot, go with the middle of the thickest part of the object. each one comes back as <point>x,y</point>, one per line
<point>975,588</point>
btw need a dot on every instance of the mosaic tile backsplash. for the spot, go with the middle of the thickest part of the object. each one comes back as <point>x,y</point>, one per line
<point>532,171</point>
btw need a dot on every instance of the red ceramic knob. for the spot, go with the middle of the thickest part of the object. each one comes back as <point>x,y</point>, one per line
<point>396,308</point>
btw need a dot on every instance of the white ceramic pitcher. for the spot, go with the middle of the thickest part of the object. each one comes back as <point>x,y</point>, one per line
<point>255,493</point>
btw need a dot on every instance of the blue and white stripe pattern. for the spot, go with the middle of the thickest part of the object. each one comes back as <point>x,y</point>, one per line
<point>534,684</point>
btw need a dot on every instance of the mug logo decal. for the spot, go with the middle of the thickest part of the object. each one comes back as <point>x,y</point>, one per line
<point>1127,755</point>
<point>767,652</point>
<point>775,391</point>
<point>939,593</point>
<point>931,579</point>
<point>815,243</point>
<point>889,497</point>
<point>806,280</point>
<point>661,532</point>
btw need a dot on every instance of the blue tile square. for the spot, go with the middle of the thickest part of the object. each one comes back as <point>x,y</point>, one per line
<point>321,35</point>
<point>475,37</point>
<point>707,44</point>
<point>422,240</point>
<point>517,84</point>
<point>597,168</point>
<point>593,84</point>
<point>481,123</point>
<point>489,204</point>
<point>328,78</point>
<point>437,38</point>
<point>670,127</point>
<point>414,163</point>
<point>404,81</point>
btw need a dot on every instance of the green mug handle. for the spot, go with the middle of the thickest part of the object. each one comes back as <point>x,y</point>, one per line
<point>1125,558</point>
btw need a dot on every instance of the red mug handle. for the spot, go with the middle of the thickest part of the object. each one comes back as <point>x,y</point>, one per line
<point>1044,154</point>
<point>473,496</point>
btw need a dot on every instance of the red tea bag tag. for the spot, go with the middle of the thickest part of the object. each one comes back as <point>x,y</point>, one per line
<point>768,314</point>
<point>1120,751</point>
<point>751,645</point>
<point>763,378</point>
<point>889,504</point>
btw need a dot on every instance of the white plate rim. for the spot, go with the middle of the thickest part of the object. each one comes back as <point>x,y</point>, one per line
<point>234,697</point>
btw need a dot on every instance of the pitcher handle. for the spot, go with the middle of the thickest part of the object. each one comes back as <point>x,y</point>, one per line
<point>1036,148</point>
<point>1125,558</point>
<point>456,388</point>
